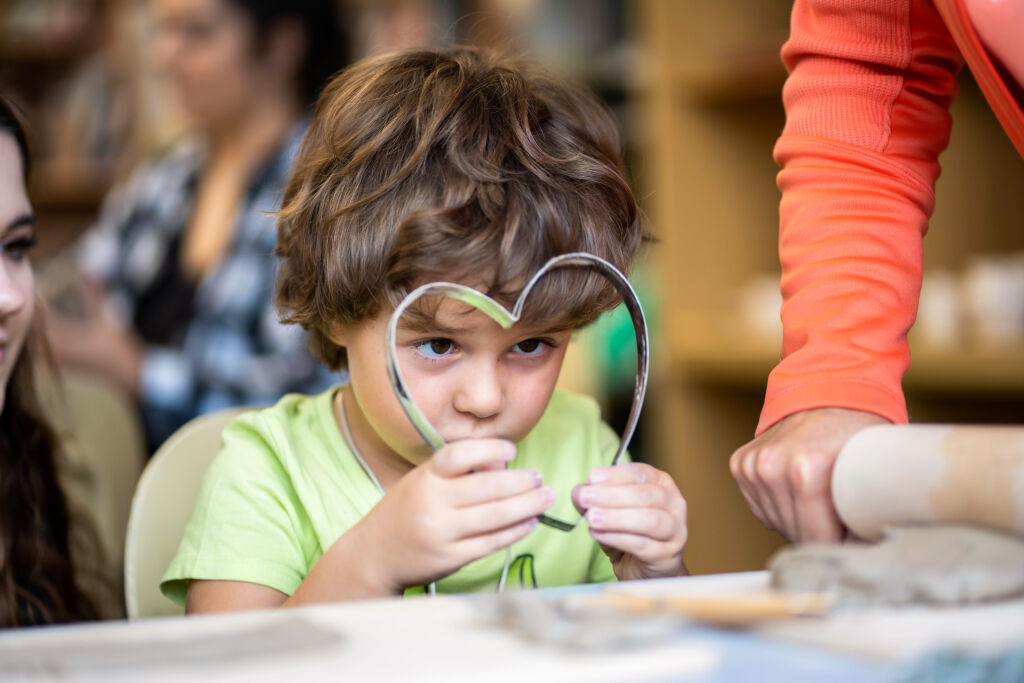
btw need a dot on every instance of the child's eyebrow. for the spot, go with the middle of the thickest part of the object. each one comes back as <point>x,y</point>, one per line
<point>420,318</point>
<point>428,325</point>
<point>424,324</point>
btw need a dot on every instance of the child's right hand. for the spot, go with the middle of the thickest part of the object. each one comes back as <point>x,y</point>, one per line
<point>458,506</point>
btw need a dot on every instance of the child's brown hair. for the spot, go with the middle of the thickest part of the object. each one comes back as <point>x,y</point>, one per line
<point>453,164</point>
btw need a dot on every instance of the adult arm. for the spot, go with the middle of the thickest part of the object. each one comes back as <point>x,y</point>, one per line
<point>867,116</point>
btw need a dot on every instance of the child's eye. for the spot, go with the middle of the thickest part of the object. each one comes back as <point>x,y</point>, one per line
<point>18,248</point>
<point>435,348</point>
<point>531,347</point>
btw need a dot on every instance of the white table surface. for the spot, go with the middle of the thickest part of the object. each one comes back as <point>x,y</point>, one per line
<point>448,638</point>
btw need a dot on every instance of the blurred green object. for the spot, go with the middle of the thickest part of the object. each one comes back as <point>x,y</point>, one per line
<point>611,340</point>
<point>610,345</point>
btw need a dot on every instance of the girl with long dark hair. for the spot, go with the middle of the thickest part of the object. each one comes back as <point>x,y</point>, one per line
<point>37,576</point>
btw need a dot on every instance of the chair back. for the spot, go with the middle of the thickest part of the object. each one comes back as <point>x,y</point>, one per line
<point>104,451</point>
<point>161,508</point>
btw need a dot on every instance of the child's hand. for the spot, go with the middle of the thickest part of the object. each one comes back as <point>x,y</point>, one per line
<point>458,506</point>
<point>638,515</point>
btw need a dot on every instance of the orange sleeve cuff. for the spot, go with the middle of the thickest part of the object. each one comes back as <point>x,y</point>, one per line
<point>866,396</point>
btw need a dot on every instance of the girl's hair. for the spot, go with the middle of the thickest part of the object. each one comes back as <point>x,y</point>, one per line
<point>454,164</point>
<point>37,579</point>
<point>326,42</point>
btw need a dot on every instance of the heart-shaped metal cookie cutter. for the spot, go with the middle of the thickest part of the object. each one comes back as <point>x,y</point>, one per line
<point>507,319</point>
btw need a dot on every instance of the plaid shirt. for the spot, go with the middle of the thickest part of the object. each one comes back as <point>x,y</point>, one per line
<point>234,351</point>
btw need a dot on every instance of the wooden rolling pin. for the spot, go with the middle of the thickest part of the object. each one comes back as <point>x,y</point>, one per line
<point>733,611</point>
<point>920,474</point>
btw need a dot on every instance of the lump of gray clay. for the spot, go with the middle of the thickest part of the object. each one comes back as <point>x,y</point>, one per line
<point>933,565</point>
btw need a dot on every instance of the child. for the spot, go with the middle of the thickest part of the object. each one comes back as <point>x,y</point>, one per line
<point>421,166</point>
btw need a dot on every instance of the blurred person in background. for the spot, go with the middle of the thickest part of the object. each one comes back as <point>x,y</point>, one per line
<point>40,547</point>
<point>175,305</point>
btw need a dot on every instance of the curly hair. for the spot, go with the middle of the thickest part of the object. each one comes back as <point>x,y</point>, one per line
<point>457,164</point>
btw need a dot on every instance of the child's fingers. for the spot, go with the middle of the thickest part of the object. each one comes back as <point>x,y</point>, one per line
<point>480,487</point>
<point>654,523</point>
<point>626,496</point>
<point>628,473</point>
<point>643,548</point>
<point>492,466</point>
<point>575,496</point>
<point>484,544</point>
<point>487,517</point>
<point>461,457</point>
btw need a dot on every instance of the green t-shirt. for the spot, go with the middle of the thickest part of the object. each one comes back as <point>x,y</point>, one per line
<point>285,486</point>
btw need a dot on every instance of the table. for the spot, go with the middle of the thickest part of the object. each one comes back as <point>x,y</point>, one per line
<point>449,638</point>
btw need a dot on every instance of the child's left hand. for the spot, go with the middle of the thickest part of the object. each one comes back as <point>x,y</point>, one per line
<point>638,515</point>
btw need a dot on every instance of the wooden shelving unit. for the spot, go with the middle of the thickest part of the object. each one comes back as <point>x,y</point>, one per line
<point>730,355</point>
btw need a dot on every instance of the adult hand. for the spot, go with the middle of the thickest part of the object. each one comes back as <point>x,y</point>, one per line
<point>458,506</point>
<point>638,515</point>
<point>785,474</point>
<point>96,342</point>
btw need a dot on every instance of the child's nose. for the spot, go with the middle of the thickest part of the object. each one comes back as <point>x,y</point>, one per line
<point>480,392</point>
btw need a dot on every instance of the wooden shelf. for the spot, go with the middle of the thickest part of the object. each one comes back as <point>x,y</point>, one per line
<point>718,349</point>
<point>81,186</point>
<point>721,349</point>
<point>754,73</point>
<point>983,371</point>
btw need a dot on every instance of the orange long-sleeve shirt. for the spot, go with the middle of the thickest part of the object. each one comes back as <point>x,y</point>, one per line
<point>867,104</point>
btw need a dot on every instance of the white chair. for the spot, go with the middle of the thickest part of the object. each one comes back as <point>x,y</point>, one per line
<point>161,507</point>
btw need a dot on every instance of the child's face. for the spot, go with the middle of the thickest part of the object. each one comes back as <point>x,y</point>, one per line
<point>469,377</point>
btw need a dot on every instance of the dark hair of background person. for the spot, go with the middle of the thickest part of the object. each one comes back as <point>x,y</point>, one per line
<point>327,46</point>
<point>37,577</point>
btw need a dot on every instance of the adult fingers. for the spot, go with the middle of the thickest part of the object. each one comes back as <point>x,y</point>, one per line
<point>461,457</point>
<point>763,508</point>
<point>482,486</point>
<point>772,472</point>
<point>810,478</point>
<point>747,488</point>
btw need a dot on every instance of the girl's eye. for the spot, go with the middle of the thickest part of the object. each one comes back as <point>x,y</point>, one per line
<point>435,348</point>
<point>531,347</point>
<point>18,248</point>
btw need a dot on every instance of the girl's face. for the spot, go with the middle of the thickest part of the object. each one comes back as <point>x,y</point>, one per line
<point>17,236</point>
<point>206,51</point>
